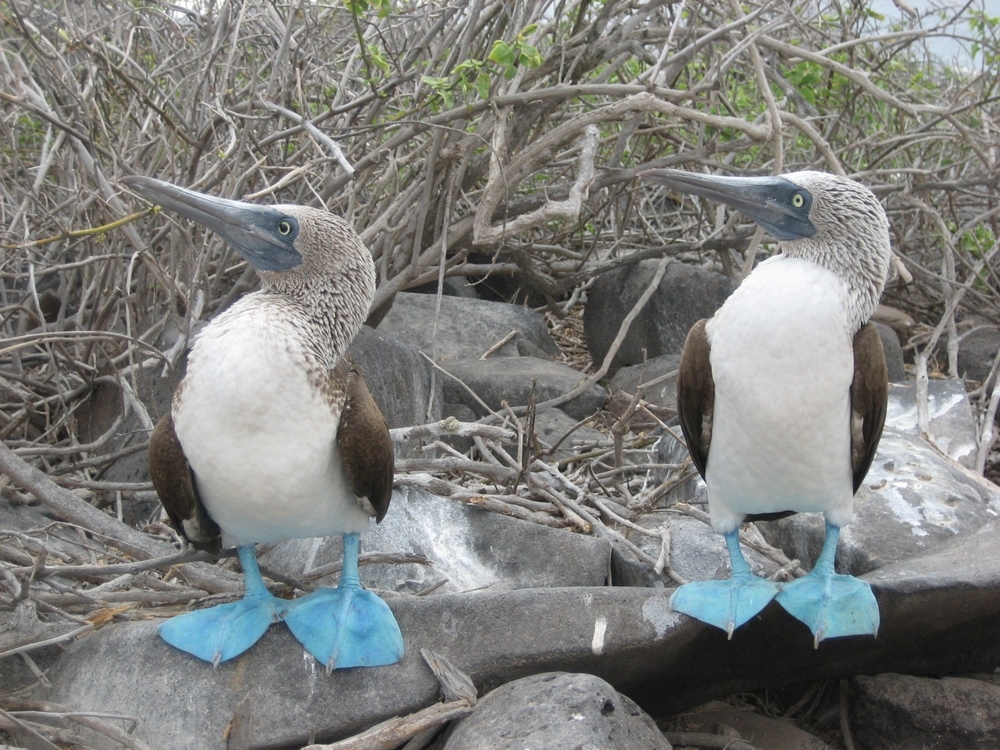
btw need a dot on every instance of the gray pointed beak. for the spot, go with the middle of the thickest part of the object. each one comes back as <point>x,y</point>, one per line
<point>253,230</point>
<point>766,200</point>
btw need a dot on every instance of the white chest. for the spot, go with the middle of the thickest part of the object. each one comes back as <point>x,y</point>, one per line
<point>260,438</point>
<point>782,359</point>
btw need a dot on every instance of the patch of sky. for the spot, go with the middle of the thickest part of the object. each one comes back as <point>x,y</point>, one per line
<point>950,37</point>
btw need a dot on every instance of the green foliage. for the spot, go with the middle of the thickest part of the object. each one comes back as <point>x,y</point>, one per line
<point>807,78</point>
<point>476,76</point>
<point>360,7</point>
<point>519,52</point>
<point>977,242</point>
<point>986,30</point>
<point>378,59</point>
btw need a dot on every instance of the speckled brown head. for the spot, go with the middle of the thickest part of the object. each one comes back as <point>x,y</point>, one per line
<point>305,253</point>
<point>827,219</point>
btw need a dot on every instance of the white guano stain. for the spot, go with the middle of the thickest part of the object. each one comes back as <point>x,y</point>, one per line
<point>600,628</point>
<point>657,612</point>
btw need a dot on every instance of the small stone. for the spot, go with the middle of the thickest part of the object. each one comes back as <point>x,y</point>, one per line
<point>556,710</point>
<point>465,328</point>
<point>554,428</point>
<point>663,395</point>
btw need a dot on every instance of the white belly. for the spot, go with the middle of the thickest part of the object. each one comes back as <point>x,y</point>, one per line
<point>782,359</point>
<point>260,439</point>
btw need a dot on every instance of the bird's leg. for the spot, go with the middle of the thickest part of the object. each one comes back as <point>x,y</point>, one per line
<point>831,605</point>
<point>227,630</point>
<point>726,604</point>
<point>346,626</point>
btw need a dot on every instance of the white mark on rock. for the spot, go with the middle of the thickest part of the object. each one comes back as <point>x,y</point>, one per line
<point>600,628</point>
<point>657,612</point>
<point>310,665</point>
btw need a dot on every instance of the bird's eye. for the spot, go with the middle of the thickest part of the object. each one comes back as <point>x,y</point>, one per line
<point>285,227</point>
<point>798,200</point>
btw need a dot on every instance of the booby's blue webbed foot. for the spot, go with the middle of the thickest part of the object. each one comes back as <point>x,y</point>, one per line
<point>832,605</point>
<point>227,630</point>
<point>730,603</point>
<point>346,626</point>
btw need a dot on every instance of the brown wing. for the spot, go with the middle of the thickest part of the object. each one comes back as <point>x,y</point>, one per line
<point>174,483</point>
<point>363,441</point>
<point>869,393</point>
<point>696,394</point>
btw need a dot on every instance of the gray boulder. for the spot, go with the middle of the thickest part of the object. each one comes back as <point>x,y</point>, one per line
<point>511,379</point>
<point>664,394</point>
<point>891,711</point>
<point>398,377</point>
<point>976,351</point>
<point>556,710</point>
<point>562,437</point>
<point>466,328</point>
<point>468,548</point>
<point>950,417</point>
<point>685,295</point>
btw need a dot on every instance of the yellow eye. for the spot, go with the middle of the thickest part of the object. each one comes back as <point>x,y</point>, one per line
<point>798,200</point>
<point>285,227</point>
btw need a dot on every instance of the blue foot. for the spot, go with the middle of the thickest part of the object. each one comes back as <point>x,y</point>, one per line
<point>726,604</point>
<point>346,626</point>
<point>831,605</point>
<point>227,630</point>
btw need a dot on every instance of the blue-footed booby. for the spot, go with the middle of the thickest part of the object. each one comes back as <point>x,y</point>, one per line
<point>782,393</point>
<point>273,434</point>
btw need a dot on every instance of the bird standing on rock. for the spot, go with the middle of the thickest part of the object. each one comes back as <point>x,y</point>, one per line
<point>273,433</point>
<point>782,393</point>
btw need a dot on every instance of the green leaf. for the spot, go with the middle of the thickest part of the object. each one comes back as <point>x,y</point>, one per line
<point>530,56</point>
<point>483,84</point>
<point>378,59</point>
<point>501,53</point>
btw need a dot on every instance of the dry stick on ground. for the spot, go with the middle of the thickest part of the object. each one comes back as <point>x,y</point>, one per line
<point>69,507</point>
<point>451,426</point>
<point>460,696</point>
<point>394,732</point>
